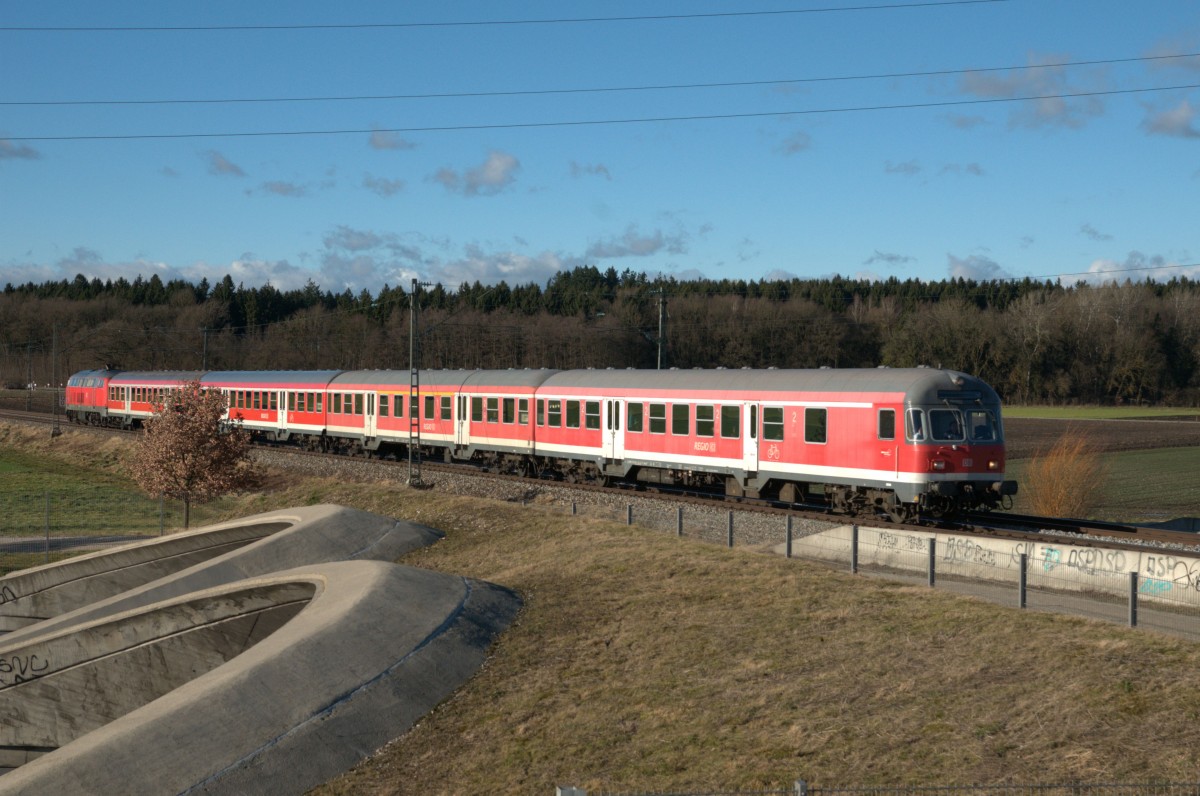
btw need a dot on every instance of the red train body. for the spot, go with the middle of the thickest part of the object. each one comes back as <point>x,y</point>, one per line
<point>904,442</point>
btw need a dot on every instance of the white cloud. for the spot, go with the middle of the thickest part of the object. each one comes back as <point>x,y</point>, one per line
<point>1050,83</point>
<point>597,170</point>
<point>1178,122</point>
<point>1093,233</point>
<point>382,185</point>
<point>489,178</point>
<point>17,151</point>
<point>976,267</point>
<point>797,142</point>
<point>220,165</point>
<point>632,243</point>
<point>382,139</point>
<point>1135,267</point>
<point>282,188</point>
<point>908,168</point>
<point>890,258</point>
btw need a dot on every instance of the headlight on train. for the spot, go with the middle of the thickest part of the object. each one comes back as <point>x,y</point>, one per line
<point>993,464</point>
<point>938,464</point>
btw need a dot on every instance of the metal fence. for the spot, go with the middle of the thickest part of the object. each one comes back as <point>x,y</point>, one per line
<point>1158,589</point>
<point>38,528</point>
<point>801,788</point>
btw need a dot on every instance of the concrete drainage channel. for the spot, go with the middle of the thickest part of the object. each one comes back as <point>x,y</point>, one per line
<point>262,655</point>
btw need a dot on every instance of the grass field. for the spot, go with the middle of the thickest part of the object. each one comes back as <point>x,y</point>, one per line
<point>1150,485</point>
<point>645,662</point>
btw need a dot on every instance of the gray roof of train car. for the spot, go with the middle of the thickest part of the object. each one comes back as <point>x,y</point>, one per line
<point>920,385</point>
<point>270,376</point>
<point>157,375</point>
<point>400,378</point>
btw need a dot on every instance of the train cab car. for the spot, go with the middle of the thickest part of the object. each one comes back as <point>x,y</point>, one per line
<point>276,405</point>
<point>135,396</point>
<point>86,396</point>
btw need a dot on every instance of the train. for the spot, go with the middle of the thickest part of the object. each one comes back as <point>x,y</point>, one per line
<point>906,443</point>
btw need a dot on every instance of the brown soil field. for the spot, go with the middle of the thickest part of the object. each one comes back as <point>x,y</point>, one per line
<point>1024,437</point>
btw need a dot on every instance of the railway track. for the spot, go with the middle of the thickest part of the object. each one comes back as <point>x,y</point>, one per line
<point>995,524</point>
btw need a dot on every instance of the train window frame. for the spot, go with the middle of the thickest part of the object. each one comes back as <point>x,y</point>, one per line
<point>291,405</point>
<point>681,420</point>
<point>816,425</point>
<point>705,426</point>
<point>554,412</point>
<point>258,400</point>
<point>320,400</point>
<point>430,408</point>
<point>981,419</point>
<point>886,430</point>
<point>573,418</point>
<point>476,408</point>
<point>731,420</point>
<point>337,404</point>
<point>384,407</point>
<point>508,410</point>
<point>358,403</point>
<point>446,413</point>
<point>772,429</point>
<point>274,400</point>
<point>658,418</point>
<point>633,416</point>
<point>493,410</point>
<point>541,412</point>
<point>946,425</point>
<point>591,415</point>
<point>523,412</point>
<point>397,405</point>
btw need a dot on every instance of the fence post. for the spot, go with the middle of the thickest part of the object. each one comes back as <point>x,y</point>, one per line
<point>47,527</point>
<point>567,790</point>
<point>789,536</point>
<point>679,520</point>
<point>1133,592</point>
<point>932,559</point>
<point>731,528</point>
<point>1022,581</point>
<point>162,516</point>
<point>800,788</point>
<point>629,514</point>
<point>853,549</point>
<point>574,508</point>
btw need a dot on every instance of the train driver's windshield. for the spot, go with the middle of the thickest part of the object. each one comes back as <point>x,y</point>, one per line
<point>981,426</point>
<point>945,425</point>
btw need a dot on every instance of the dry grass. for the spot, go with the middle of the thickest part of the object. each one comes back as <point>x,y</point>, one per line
<point>641,661</point>
<point>1067,480</point>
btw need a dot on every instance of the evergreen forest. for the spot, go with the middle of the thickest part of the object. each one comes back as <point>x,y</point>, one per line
<point>1035,342</point>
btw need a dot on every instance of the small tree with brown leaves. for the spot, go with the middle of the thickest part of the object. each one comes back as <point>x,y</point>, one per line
<point>1066,480</point>
<point>186,454</point>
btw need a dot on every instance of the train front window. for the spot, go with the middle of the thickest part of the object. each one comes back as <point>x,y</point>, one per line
<point>945,425</point>
<point>982,426</point>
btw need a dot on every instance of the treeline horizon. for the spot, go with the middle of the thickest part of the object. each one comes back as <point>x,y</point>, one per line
<point>1034,341</point>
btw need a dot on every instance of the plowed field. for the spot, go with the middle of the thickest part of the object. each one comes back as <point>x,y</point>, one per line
<point>1026,436</point>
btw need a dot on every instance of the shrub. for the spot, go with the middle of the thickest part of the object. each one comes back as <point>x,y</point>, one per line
<point>1066,480</point>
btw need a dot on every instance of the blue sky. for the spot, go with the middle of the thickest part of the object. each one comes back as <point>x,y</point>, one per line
<point>794,174</point>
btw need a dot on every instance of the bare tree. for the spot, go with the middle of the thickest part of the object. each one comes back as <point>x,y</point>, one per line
<point>186,454</point>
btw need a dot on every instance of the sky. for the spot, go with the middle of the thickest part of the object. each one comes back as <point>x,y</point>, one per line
<point>360,144</point>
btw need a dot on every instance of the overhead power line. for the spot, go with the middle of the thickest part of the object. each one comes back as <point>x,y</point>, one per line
<point>603,89</point>
<point>598,122</point>
<point>478,23</point>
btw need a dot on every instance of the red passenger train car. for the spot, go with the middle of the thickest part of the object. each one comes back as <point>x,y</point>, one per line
<point>902,442</point>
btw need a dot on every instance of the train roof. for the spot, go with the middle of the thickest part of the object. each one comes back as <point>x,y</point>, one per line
<point>457,378</point>
<point>156,376</point>
<point>271,378</point>
<point>918,385</point>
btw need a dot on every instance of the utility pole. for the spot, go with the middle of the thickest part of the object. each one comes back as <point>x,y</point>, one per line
<point>414,391</point>
<point>662,325</point>
<point>29,384</point>
<point>54,432</point>
<point>204,355</point>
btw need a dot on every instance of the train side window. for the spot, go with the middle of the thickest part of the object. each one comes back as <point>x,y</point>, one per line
<point>493,410</point>
<point>413,405</point>
<point>704,421</point>
<point>633,418</point>
<point>772,423</point>
<point>523,412</point>
<point>982,425</point>
<point>320,401</point>
<point>274,400</point>
<point>429,408</point>
<point>358,404</point>
<point>299,404</point>
<point>383,405</point>
<point>572,414</point>
<point>291,401</point>
<point>541,412</point>
<point>816,425</point>
<point>337,403</point>
<point>731,422</point>
<point>681,419</point>
<point>591,411</point>
<point>658,418</point>
<point>510,409</point>
<point>754,422</point>
<point>476,409</point>
<point>445,407</point>
<point>887,423</point>
<point>554,412</point>
<point>914,425</point>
